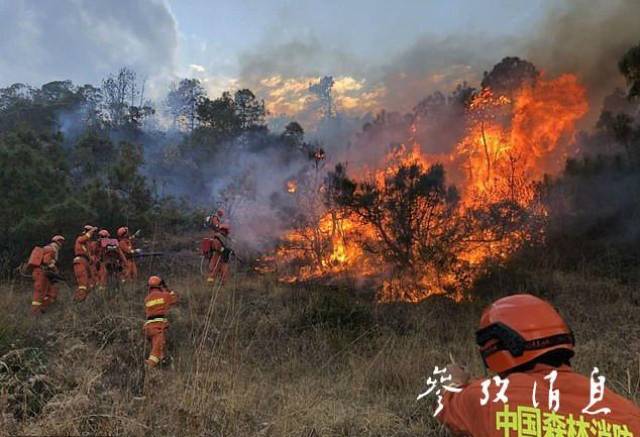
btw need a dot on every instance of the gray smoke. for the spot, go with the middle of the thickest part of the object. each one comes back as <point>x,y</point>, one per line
<point>438,64</point>
<point>587,37</point>
<point>305,56</point>
<point>83,40</point>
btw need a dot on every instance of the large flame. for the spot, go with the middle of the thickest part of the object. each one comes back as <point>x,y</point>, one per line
<point>510,143</point>
<point>513,142</point>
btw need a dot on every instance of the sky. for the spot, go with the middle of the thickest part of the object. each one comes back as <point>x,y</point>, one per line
<point>216,34</point>
<point>381,53</point>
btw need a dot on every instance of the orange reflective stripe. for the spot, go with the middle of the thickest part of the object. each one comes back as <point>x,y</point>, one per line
<point>154,359</point>
<point>154,302</point>
<point>35,302</point>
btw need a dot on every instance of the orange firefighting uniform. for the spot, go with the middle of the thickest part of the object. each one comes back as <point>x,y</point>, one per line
<point>156,305</point>
<point>44,291</point>
<point>219,263</point>
<point>464,415</point>
<point>82,266</point>
<point>94,255</point>
<point>129,268</point>
<point>109,261</point>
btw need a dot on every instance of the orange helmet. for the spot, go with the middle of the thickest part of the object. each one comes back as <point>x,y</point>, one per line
<point>517,329</point>
<point>122,231</point>
<point>58,239</point>
<point>104,233</point>
<point>155,281</point>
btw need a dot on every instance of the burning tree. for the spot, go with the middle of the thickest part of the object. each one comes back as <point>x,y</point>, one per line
<point>412,214</point>
<point>307,246</point>
<point>424,239</point>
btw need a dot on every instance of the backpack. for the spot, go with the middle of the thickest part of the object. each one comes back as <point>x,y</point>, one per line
<point>36,257</point>
<point>110,248</point>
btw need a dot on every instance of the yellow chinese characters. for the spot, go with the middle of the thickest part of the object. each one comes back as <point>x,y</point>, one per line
<point>532,422</point>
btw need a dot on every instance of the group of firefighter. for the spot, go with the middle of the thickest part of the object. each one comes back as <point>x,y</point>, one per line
<point>97,255</point>
<point>522,339</point>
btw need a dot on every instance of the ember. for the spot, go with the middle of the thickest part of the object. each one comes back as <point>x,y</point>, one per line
<point>292,186</point>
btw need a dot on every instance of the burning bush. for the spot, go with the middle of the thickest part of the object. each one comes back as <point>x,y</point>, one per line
<point>418,227</point>
<point>410,216</point>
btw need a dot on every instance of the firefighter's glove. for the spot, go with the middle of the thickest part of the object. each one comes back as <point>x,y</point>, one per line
<point>459,375</point>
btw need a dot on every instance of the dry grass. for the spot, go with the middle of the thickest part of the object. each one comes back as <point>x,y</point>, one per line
<point>276,360</point>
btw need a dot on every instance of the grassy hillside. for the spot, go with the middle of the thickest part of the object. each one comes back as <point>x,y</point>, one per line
<point>259,358</point>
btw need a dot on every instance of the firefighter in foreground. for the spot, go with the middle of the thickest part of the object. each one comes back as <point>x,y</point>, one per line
<point>156,305</point>
<point>525,341</point>
<point>83,263</point>
<point>217,249</point>
<point>43,263</point>
<point>129,267</point>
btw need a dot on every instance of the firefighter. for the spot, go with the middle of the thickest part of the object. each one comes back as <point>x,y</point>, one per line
<point>111,258</point>
<point>83,263</point>
<point>220,254</point>
<point>523,340</point>
<point>156,306</point>
<point>44,264</point>
<point>125,242</point>
<point>215,220</point>
<point>94,255</point>
<point>100,262</point>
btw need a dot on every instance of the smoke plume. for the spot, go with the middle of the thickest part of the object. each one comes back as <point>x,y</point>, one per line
<point>587,37</point>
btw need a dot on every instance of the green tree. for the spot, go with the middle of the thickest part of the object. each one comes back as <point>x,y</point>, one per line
<point>629,66</point>
<point>36,182</point>
<point>40,110</point>
<point>509,75</point>
<point>219,116</point>
<point>92,156</point>
<point>123,100</point>
<point>21,108</point>
<point>183,101</point>
<point>620,129</point>
<point>250,111</point>
<point>293,135</point>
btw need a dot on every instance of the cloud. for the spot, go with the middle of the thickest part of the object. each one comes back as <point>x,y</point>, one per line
<point>197,68</point>
<point>84,40</point>
<point>290,96</point>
